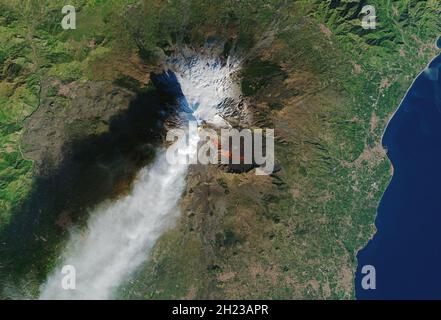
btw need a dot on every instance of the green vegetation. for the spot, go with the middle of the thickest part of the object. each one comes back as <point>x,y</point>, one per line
<point>258,74</point>
<point>326,85</point>
<point>33,48</point>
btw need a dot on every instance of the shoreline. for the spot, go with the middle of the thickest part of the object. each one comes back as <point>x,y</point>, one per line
<point>376,230</point>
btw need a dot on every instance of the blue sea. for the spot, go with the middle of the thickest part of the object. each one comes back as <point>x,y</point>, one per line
<point>406,250</point>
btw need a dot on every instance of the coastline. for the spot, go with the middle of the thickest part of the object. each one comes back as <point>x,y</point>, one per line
<point>375,227</point>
